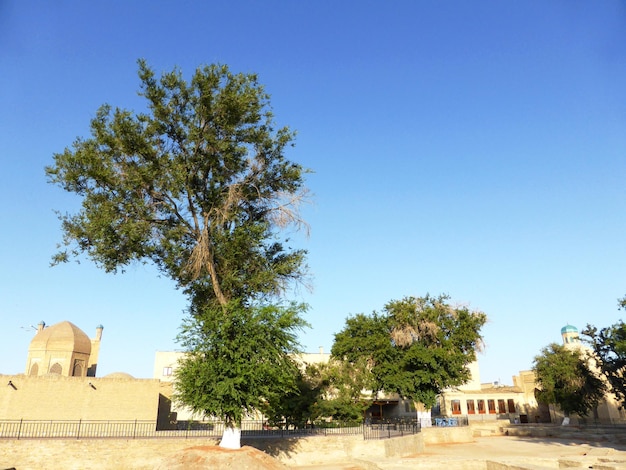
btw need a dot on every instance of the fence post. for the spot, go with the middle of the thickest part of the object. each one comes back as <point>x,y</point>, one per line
<point>135,430</point>
<point>78,430</point>
<point>19,430</point>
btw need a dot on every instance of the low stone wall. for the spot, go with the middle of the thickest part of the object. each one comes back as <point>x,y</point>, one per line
<point>320,450</point>
<point>144,454</point>
<point>443,435</point>
<point>489,428</point>
<point>614,434</point>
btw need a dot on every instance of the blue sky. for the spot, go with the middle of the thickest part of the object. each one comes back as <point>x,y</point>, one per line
<point>469,148</point>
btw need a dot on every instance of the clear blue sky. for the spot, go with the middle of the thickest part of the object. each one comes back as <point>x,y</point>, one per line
<point>470,148</point>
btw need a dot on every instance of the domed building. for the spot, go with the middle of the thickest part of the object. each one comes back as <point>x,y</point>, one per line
<point>63,349</point>
<point>60,383</point>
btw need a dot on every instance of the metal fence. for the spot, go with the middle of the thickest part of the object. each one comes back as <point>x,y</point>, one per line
<point>25,429</point>
<point>138,429</point>
<point>389,429</point>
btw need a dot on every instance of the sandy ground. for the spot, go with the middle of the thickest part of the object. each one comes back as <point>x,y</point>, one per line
<point>528,452</point>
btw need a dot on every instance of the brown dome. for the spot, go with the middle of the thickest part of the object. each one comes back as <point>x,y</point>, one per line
<point>118,375</point>
<point>64,336</point>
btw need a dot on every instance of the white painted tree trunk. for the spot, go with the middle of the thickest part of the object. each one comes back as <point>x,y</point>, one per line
<point>424,418</point>
<point>231,438</point>
<point>423,415</point>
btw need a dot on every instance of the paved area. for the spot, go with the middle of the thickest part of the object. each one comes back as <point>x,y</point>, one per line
<point>510,452</point>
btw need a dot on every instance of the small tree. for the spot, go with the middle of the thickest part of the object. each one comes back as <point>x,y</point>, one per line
<point>238,363</point>
<point>609,348</point>
<point>343,387</point>
<point>417,347</point>
<point>296,407</point>
<point>565,378</point>
<point>325,390</point>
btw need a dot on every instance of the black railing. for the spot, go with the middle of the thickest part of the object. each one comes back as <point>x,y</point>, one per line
<point>81,429</point>
<point>390,428</point>
<point>138,429</point>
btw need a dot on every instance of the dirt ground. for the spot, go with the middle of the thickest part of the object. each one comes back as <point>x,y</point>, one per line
<point>516,451</point>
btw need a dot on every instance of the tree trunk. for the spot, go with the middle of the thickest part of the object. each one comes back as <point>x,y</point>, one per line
<point>231,438</point>
<point>423,415</point>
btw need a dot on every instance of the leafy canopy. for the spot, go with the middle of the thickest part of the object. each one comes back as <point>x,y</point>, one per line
<point>609,347</point>
<point>416,347</point>
<point>196,184</point>
<point>565,378</point>
<point>238,363</point>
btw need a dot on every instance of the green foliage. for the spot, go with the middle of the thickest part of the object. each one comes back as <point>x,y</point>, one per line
<point>295,407</point>
<point>609,347</point>
<point>564,377</point>
<point>196,184</point>
<point>417,347</point>
<point>342,386</point>
<point>325,390</point>
<point>199,185</point>
<point>239,361</point>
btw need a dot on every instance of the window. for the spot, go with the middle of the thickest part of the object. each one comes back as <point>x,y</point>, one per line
<point>491,404</point>
<point>471,407</point>
<point>501,406</point>
<point>456,407</point>
<point>481,406</point>
<point>511,404</point>
<point>78,368</point>
<point>167,371</point>
<point>56,368</point>
<point>34,370</point>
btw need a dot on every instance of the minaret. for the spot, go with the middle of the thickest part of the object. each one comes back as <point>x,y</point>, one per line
<point>33,363</point>
<point>95,350</point>
<point>569,334</point>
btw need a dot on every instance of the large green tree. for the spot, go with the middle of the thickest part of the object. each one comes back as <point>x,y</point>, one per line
<point>565,378</point>
<point>416,347</point>
<point>609,347</point>
<point>197,183</point>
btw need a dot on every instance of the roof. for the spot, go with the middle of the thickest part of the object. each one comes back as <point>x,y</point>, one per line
<point>569,329</point>
<point>63,336</point>
<point>118,375</point>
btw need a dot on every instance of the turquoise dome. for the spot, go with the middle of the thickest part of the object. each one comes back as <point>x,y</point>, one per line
<point>569,329</point>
